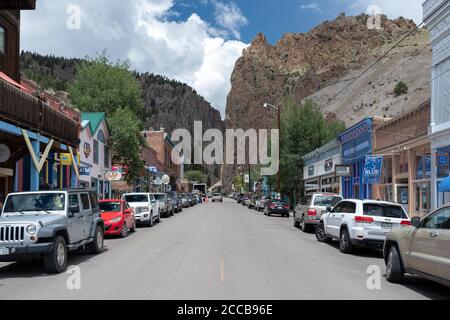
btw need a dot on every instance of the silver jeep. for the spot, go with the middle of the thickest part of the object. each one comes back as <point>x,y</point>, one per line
<point>48,224</point>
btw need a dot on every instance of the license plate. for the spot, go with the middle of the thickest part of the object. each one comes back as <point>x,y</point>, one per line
<point>280,207</point>
<point>386,226</point>
<point>4,251</point>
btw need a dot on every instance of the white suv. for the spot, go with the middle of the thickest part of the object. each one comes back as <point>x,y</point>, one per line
<point>146,208</point>
<point>360,223</point>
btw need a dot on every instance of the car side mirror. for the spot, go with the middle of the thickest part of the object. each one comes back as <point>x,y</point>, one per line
<point>329,209</point>
<point>153,201</point>
<point>415,222</point>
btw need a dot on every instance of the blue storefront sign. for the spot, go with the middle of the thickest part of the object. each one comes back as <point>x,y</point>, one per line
<point>372,169</point>
<point>442,157</point>
<point>85,171</point>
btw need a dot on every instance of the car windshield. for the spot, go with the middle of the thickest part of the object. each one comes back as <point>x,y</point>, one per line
<point>279,203</point>
<point>217,195</point>
<point>136,198</point>
<point>35,202</point>
<point>389,211</point>
<point>160,197</point>
<point>325,201</point>
<point>110,206</point>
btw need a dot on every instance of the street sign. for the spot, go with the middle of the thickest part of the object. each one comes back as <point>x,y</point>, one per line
<point>113,176</point>
<point>343,170</point>
<point>168,188</point>
<point>158,181</point>
<point>247,178</point>
<point>165,179</point>
<point>85,171</point>
<point>152,169</point>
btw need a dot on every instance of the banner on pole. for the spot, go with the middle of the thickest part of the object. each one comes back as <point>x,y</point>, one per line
<point>372,169</point>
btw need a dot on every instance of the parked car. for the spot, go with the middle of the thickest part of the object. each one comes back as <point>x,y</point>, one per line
<point>48,224</point>
<point>176,201</point>
<point>245,200</point>
<point>118,217</point>
<point>146,208</point>
<point>185,200</point>
<point>260,203</point>
<point>360,223</point>
<point>217,197</point>
<point>422,249</point>
<point>240,198</point>
<point>165,204</point>
<point>276,207</point>
<point>308,212</point>
<point>192,200</point>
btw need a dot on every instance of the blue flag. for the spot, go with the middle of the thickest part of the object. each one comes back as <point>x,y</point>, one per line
<point>372,169</point>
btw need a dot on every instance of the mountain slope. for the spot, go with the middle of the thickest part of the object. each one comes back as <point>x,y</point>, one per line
<point>164,100</point>
<point>319,63</point>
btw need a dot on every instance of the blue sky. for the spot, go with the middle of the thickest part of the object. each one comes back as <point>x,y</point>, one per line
<point>196,42</point>
<point>276,17</point>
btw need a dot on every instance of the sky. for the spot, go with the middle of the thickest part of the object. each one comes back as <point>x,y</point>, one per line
<point>196,42</point>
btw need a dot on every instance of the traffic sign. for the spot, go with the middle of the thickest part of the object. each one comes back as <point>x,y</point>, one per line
<point>158,181</point>
<point>168,188</point>
<point>165,179</point>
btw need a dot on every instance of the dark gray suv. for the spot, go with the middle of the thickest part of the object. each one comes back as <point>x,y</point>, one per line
<point>48,224</point>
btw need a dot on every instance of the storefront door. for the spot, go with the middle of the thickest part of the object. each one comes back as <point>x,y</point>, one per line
<point>423,198</point>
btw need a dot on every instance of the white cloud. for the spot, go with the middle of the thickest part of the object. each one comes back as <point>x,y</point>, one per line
<point>311,6</point>
<point>190,51</point>
<point>229,16</point>
<point>392,8</point>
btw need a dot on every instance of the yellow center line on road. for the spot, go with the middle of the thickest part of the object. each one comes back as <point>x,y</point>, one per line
<point>222,270</point>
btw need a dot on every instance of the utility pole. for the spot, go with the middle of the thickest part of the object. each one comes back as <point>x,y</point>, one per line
<point>279,130</point>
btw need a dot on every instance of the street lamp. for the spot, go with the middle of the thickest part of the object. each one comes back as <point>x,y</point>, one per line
<point>268,105</point>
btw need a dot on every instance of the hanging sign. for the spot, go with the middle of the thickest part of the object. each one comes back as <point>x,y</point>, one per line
<point>343,170</point>
<point>113,176</point>
<point>85,171</point>
<point>65,159</point>
<point>442,157</point>
<point>372,169</point>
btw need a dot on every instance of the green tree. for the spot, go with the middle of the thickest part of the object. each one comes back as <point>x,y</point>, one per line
<point>196,175</point>
<point>102,86</point>
<point>238,183</point>
<point>303,129</point>
<point>127,141</point>
<point>401,88</point>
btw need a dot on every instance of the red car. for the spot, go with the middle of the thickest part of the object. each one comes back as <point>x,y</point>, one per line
<point>118,217</point>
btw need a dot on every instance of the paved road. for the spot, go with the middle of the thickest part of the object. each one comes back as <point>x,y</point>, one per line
<point>216,251</point>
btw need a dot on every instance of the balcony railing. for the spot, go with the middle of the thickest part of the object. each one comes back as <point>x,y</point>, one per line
<point>28,112</point>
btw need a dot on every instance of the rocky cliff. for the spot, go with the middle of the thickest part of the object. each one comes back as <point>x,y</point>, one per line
<point>323,61</point>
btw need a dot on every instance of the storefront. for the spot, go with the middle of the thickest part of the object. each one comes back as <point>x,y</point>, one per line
<point>319,169</point>
<point>95,153</point>
<point>406,173</point>
<point>436,17</point>
<point>356,144</point>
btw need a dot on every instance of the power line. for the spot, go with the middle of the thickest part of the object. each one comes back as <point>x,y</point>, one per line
<point>389,51</point>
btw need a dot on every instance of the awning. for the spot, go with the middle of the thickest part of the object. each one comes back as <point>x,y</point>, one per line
<point>444,186</point>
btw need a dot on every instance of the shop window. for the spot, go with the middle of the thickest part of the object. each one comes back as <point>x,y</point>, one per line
<point>2,40</point>
<point>95,151</point>
<point>106,156</point>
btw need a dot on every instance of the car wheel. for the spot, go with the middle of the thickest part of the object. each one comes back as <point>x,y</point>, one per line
<point>296,223</point>
<point>303,225</point>
<point>133,229</point>
<point>150,221</point>
<point>394,269</point>
<point>172,212</point>
<point>321,236</point>
<point>56,260</point>
<point>124,232</point>
<point>345,246</point>
<point>96,246</point>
